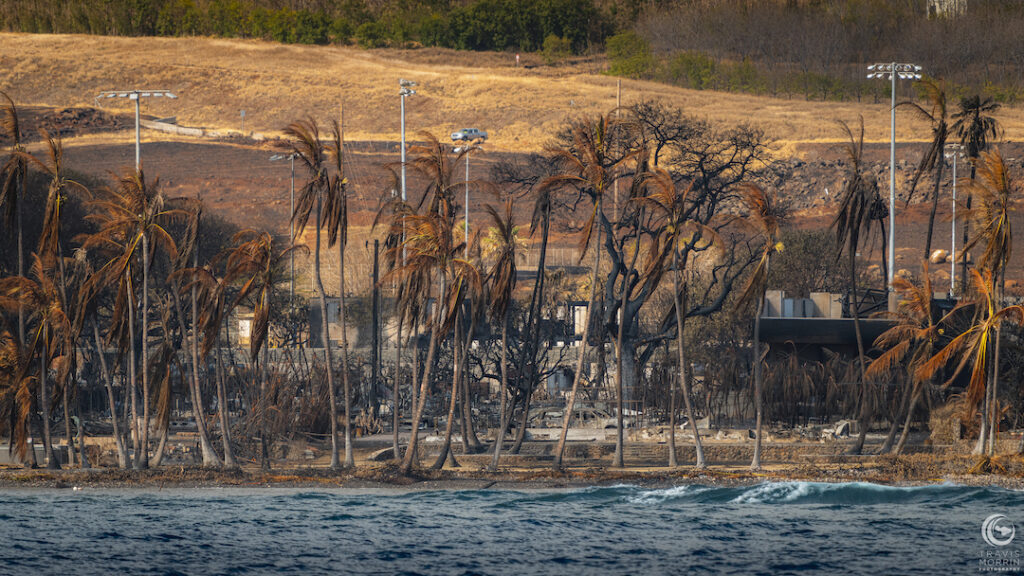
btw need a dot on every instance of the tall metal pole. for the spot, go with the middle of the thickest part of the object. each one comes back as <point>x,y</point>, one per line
<point>291,227</point>
<point>892,71</point>
<point>138,135</point>
<point>952,249</point>
<point>403,146</point>
<point>892,182</point>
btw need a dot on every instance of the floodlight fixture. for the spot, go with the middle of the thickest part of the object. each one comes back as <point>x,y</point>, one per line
<point>136,96</point>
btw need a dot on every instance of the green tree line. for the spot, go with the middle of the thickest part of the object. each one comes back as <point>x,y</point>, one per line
<point>474,25</point>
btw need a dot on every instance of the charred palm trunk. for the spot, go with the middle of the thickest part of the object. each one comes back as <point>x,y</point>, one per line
<point>191,366</point>
<point>502,426</point>
<point>894,426</point>
<point>222,408</point>
<point>68,439</point>
<point>349,456</point>
<point>684,379</point>
<point>417,413</point>
<point>122,453</point>
<point>935,206</point>
<point>469,429</point>
<point>755,464</point>
<point>446,447</point>
<point>44,405</point>
<point>914,399</point>
<point>570,404</point>
<point>994,410</point>
<point>143,458</point>
<point>133,378</point>
<point>865,400</point>
<point>21,257</point>
<point>533,324</point>
<point>326,336</point>
<point>259,372</point>
<point>395,421</point>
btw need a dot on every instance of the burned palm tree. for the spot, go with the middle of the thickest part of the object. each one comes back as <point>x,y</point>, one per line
<point>908,346</point>
<point>933,159</point>
<point>764,216</point>
<point>17,392</point>
<point>432,161</point>
<point>12,187</point>
<point>336,222</point>
<point>51,341</point>
<point>211,296</point>
<point>993,188</point>
<point>859,207</point>
<point>132,217</point>
<point>589,161</point>
<point>428,248</point>
<point>50,249</point>
<point>974,125</point>
<point>671,205</point>
<point>260,267</point>
<point>312,154</point>
<point>504,245</point>
<point>973,346</point>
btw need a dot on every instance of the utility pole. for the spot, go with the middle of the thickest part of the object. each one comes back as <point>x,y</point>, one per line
<point>375,355</point>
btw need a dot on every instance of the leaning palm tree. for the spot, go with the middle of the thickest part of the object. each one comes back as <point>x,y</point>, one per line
<point>503,244</point>
<point>859,206</point>
<point>908,346</point>
<point>933,159</point>
<point>311,153</point>
<point>590,161</point>
<point>336,220</point>
<point>40,297</point>
<point>672,207</point>
<point>12,186</point>
<point>974,125</point>
<point>17,393</point>
<point>764,218</point>
<point>261,267</point>
<point>993,189</point>
<point>210,295</point>
<point>132,217</point>
<point>973,346</point>
<point>429,247</point>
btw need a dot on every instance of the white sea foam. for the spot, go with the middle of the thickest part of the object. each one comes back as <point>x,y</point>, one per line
<point>649,497</point>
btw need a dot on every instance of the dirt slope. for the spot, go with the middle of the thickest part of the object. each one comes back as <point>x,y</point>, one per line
<point>275,84</point>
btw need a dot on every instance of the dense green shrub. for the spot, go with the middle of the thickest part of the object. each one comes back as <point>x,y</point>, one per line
<point>372,35</point>
<point>630,55</point>
<point>556,49</point>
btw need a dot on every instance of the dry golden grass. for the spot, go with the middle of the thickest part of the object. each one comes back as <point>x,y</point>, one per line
<point>276,83</point>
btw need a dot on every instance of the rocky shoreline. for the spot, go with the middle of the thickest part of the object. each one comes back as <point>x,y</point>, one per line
<point>919,469</point>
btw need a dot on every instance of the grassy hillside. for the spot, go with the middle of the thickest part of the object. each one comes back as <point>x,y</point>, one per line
<point>274,84</point>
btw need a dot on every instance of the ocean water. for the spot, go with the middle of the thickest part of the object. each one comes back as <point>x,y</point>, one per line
<point>770,528</point>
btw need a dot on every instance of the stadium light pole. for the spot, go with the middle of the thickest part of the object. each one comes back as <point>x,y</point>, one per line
<point>467,149</point>
<point>291,219</point>
<point>892,71</point>
<point>953,151</point>
<point>405,88</point>
<point>137,96</point>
